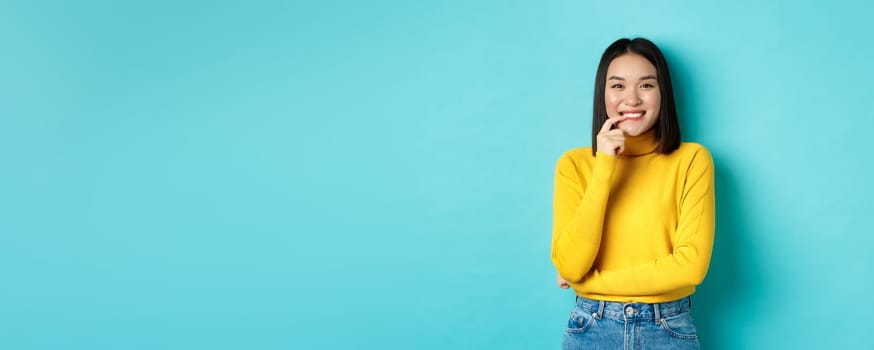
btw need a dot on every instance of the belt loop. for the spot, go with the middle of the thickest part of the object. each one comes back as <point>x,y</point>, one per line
<point>658,316</point>
<point>601,309</point>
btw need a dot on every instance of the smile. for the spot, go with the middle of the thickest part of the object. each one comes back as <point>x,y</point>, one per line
<point>633,115</point>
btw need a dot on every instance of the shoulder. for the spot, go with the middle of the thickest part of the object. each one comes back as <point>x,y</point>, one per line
<point>694,150</point>
<point>694,155</point>
<point>574,159</point>
<point>578,155</point>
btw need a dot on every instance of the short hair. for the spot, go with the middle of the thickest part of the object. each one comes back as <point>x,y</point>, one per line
<point>667,127</point>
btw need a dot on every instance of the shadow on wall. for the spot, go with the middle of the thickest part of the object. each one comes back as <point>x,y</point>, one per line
<point>734,275</point>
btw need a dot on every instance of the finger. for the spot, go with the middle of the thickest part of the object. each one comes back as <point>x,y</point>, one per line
<point>609,123</point>
<point>614,142</point>
<point>611,139</point>
<point>618,132</point>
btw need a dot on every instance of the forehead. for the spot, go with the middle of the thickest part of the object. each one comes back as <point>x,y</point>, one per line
<point>631,66</point>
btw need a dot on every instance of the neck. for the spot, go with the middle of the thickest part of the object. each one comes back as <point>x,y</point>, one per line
<point>639,145</point>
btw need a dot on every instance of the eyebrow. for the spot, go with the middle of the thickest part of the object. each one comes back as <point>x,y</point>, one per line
<point>645,77</point>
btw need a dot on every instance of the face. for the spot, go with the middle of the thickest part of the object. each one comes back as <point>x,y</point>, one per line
<point>632,91</point>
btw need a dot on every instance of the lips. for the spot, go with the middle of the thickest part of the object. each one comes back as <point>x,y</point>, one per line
<point>632,115</point>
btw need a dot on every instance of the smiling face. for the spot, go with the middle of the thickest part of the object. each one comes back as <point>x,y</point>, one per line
<point>632,91</point>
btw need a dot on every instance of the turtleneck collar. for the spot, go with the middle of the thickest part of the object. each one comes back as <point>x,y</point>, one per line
<point>640,145</point>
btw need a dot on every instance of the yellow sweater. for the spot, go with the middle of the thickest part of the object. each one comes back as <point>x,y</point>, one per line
<point>634,227</point>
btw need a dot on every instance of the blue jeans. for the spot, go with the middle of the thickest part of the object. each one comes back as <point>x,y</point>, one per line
<point>595,324</point>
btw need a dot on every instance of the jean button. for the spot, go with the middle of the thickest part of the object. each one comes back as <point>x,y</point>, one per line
<point>629,310</point>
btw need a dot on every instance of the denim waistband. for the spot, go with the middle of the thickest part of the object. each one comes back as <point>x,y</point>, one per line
<point>619,310</point>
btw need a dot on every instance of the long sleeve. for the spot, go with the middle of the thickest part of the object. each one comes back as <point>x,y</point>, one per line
<point>687,265</point>
<point>578,215</point>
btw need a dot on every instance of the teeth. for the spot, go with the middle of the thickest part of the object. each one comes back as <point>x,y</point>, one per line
<point>632,115</point>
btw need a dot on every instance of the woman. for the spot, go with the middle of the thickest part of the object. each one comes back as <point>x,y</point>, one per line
<point>633,214</point>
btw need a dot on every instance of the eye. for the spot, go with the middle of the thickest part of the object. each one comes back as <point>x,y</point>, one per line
<point>616,86</point>
<point>647,86</point>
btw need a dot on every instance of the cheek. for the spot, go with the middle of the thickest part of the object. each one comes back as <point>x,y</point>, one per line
<point>611,101</point>
<point>654,100</point>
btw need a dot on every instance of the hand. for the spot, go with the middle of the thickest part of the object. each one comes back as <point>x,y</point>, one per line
<point>563,283</point>
<point>611,142</point>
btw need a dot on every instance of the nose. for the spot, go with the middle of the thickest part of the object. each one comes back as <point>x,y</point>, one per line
<point>632,99</point>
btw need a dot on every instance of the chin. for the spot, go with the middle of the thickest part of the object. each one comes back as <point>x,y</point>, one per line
<point>636,129</point>
<point>632,131</point>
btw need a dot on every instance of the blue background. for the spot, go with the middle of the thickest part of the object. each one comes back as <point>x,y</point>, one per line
<point>378,175</point>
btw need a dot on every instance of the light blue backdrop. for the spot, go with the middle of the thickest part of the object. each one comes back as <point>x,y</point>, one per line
<point>378,175</point>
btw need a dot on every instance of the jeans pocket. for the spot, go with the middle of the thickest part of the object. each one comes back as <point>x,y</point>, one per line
<point>579,321</point>
<point>681,326</point>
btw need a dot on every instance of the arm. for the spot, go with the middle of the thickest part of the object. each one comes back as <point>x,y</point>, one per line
<point>578,215</point>
<point>688,263</point>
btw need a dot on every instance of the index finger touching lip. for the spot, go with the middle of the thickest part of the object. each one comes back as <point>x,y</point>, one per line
<point>610,122</point>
